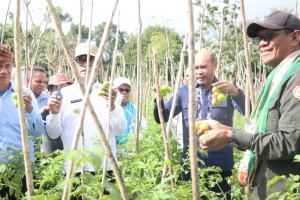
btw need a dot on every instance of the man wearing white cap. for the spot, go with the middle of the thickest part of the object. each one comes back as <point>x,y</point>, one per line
<point>64,113</point>
<point>123,87</point>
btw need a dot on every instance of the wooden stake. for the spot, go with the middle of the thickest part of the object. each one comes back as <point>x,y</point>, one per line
<point>138,78</point>
<point>191,107</point>
<point>24,131</point>
<point>162,121</point>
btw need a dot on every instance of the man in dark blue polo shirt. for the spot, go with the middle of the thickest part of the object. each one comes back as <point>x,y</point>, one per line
<point>205,67</point>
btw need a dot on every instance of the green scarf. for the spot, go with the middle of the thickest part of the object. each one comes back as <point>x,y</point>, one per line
<point>259,115</point>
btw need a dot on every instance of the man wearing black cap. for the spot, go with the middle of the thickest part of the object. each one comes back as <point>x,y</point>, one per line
<point>273,138</point>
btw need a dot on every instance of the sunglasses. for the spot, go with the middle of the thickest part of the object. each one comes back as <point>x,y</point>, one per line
<point>83,60</point>
<point>122,90</point>
<point>268,36</point>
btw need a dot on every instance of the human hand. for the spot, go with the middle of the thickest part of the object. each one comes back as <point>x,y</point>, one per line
<point>215,139</point>
<point>213,124</point>
<point>105,95</point>
<point>44,109</point>
<point>27,102</point>
<point>228,87</point>
<point>54,104</point>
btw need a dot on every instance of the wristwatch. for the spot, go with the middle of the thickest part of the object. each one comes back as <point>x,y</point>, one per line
<point>233,140</point>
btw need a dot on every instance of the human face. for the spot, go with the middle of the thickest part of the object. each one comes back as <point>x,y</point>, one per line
<point>54,88</point>
<point>275,45</point>
<point>204,68</point>
<point>81,64</point>
<point>38,82</point>
<point>124,91</point>
<point>5,74</point>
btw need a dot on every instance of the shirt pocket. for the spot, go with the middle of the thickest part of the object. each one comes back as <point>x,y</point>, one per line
<point>11,116</point>
<point>220,111</point>
<point>185,111</point>
<point>273,119</point>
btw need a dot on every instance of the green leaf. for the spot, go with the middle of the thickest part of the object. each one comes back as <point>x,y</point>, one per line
<point>297,158</point>
<point>3,168</point>
<point>275,180</point>
<point>168,162</point>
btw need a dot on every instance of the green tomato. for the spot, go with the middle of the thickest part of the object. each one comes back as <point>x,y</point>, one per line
<point>15,99</point>
<point>101,93</point>
<point>164,90</point>
<point>105,86</point>
<point>221,97</point>
<point>215,89</point>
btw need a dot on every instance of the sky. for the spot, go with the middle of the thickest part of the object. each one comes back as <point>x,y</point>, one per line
<point>171,13</point>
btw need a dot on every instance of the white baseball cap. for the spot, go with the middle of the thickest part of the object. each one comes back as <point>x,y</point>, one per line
<point>120,81</point>
<point>83,49</point>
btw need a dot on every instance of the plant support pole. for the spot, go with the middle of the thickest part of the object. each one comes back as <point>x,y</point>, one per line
<point>24,131</point>
<point>191,106</point>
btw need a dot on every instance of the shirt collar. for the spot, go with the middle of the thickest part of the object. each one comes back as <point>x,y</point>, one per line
<point>198,85</point>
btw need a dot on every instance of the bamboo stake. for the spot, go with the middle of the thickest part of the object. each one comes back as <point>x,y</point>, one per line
<point>89,42</point>
<point>112,75</point>
<point>220,71</point>
<point>138,76</point>
<point>248,64</point>
<point>170,59</point>
<point>80,21</point>
<point>87,68</point>
<point>162,121</point>
<point>3,27</point>
<point>24,131</point>
<point>177,84</point>
<point>166,68</point>
<point>191,106</point>
<point>178,79</point>
<point>201,26</point>
<point>26,45</point>
<point>249,82</point>
<point>40,39</point>
<point>86,100</point>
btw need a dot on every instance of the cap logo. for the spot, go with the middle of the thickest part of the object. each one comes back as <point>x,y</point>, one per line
<point>296,92</point>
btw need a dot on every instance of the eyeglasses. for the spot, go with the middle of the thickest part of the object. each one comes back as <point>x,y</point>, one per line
<point>83,60</point>
<point>122,90</point>
<point>268,36</point>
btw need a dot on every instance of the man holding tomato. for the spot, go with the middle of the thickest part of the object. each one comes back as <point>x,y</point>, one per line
<point>205,67</point>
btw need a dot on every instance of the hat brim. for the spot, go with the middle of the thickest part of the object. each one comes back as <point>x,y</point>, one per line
<point>254,28</point>
<point>118,85</point>
<point>51,84</point>
<point>84,54</point>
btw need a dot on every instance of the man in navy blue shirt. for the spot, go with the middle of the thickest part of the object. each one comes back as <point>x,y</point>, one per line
<point>205,67</point>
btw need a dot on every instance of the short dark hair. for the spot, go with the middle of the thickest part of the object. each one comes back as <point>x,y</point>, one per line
<point>38,69</point>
